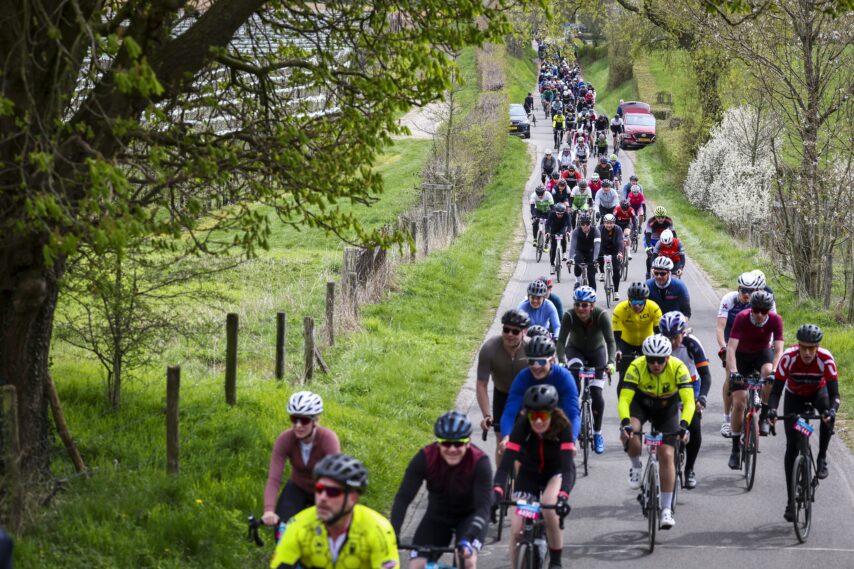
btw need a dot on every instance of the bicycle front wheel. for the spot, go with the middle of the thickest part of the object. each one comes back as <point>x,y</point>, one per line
<point>751,446</point>
<point>558,263</point>
<point>652,507</point>
<point>540,245</point>
<point>679,459</point>
<point>800,494</point>
<point>526,556</point>
<point>585,433</point>
<point>609,285</point>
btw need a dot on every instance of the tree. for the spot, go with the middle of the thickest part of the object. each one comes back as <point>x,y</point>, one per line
<point>176,121</point>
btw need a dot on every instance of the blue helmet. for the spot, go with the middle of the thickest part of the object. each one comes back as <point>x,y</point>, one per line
<point>672,324</point>
<point>584,294</point>
<point>453,425</point>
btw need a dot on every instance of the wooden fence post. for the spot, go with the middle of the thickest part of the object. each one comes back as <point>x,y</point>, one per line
<point>62,425</point>
<point>12,442</point>
<point>231,323</point>
<point>413,232</point>
<point>308,336</point>
<point>828,279</point>
<point>330,312</point>
<point>455,221</point>
<point>281,335</point>
<point>425,233</point>
<point>173,389</point>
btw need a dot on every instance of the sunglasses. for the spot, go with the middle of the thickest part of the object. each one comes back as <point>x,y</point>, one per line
<point>459,443</point>
<point>762,311</point>
<point>299,420</point>
<point>660,273</point>
<point>514,331</point>
<point>637,302</point>
<point>537,361</point>
<point>583,305</point>
<point>331,491</point>
<point>584,223</point>
<point>658,360</point>
<point>541,416</point>
<point>746,290</point>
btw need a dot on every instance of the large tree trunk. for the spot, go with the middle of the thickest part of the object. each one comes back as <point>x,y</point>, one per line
<point>28,293</point>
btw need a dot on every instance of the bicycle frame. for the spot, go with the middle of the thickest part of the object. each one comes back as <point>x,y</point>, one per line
<point>750,441</point>
<point>434,553</point>
<point>609,279</point>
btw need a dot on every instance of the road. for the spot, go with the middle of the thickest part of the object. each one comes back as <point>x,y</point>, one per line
<point>718,523</point>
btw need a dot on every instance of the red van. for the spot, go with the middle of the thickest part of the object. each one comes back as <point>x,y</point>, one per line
<point>639,125</point>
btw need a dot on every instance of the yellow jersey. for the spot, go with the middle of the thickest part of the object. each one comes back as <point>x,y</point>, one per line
<point>674,379</point>
<point>635,327</point>
<point>370,543</point>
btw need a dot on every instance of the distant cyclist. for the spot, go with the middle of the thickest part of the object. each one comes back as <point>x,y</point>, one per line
<point>668,293</point>
<point>541,311</point>
<point>584,249</point>
<point>541,203</point>
<point>633,320</point>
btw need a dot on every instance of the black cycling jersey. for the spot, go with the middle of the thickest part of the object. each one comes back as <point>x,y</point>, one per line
<point>538,455</point>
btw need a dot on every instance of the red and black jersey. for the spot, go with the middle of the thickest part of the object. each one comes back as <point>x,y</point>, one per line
<point>802,379</point>
<point>672,251</point>
<point>624,215</point>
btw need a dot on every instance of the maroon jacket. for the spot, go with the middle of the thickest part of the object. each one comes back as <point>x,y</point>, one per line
<point>287,448</point>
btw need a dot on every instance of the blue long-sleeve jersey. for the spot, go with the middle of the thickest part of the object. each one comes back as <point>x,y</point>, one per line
<point>567,392</point>
<point>545,316</point>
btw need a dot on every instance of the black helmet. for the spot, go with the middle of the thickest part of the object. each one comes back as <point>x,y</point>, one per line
<point>453,425</point>
<point>516,317</point>
<point>582,183</point>
<point>540,347</point>
<point>344,469</point>
<point>555,175</point>
<point>624,204</point>
<point>638,291</point>
<point>541,397</point>
<point>606,183</point>
<point>761,299</point>
<point>602,159</point>
<point>535,331</point>
<point>560,208</point>
<point>809,334</point>
<point>584,219</point>
<point>540,190</point>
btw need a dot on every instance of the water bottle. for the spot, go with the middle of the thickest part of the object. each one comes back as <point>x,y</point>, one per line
<point>280,531</point>
<point>542,548</point>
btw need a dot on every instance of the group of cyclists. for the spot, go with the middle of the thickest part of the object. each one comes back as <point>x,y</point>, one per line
<point>664,378</point>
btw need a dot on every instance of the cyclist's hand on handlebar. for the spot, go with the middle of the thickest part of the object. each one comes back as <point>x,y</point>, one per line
<point>486,423</point>
<point>626,430</point>
<point>562,508</point>
<point>503,443</point>
<point>684,434</point>
<point>772,416</point>
<point>465,547</point>
<point>618,356</point>
<point>612,369</point>
<point>270,518</point>
<point>701,403</point>
<point>828,416</point>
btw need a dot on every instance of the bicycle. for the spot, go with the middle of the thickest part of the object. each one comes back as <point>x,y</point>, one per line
<point>634,240</point>
<point>434,553</point>
<point>609,280</point>
<point>532,547</point>
<point>750,438</point>
<point>254,524</point>
<point>499,511</point>
<point>804,481</point>
<point>532,117</point>
<point>650,491</point>
<point>585,436</point>
<point>583,268</point>
<point>680,457</point>
<point>541,239</point>
<point>558,264</point>
<point>558,137</point>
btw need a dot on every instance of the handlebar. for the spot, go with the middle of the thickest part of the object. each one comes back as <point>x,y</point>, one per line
<point>526,502</point>
<point>252,533</point>
<point>426,548</point>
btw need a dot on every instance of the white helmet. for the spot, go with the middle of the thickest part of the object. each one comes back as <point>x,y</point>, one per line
<point>662,263</point>
<point>666,237</point>
<point>635,189</point>
<point>657,345</point>
<point>305,403</point>
<point>761,276</point>
<point>750,280</point>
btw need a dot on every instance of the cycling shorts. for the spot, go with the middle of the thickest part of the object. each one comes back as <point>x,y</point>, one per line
<point>746,363</point>
<point>597,358</point>
<point>292,501</point>
<point>499,400</point>
<point>662,413</point>
<point>531,484</point>
<point>439,532</point>
<point>615,129</point>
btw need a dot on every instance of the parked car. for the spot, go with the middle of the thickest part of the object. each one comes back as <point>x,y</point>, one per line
<point>519,124</point>
<point>639,125</point>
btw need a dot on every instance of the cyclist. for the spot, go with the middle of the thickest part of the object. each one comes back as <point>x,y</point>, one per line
<point>595,184</point>
<point>581,200</point>
<point>604,169</point>
<point>617,170</point>
<point>581,155</point>
<point>557,104</point>
<point>565,158</point>
<point>638,201</point>
<point>654,227</point>
<point>558,127</point>
<point>458,476</point>
<point>612,244</point>
<point>668,293</point>
<point>584,249</point>
<point>547,96</point>
<point>572,176</point>
<point>560,193</point>
<point>303,445</point>
<point>529,105</point>
<point>688,349</point>
<point>633,320</point>
<point>651,391</point>
<point>542,444</point>
<point>540,310</point>
<point>602,125</point>
<point>748,351</point>
<point>548,165</point>
<point>633,181</point>
<point>316,537</point>
<point>553,180</point>
<point>606,199</point>
<point>542,369</point>
<point>602,145</point>
<point>731,304</point>
<point>586,334</point>
<point>541,203</point>
<point>617,127</point>
<point>502,357</point>
<point>557,226</point>
<point>627,220</point>
<point>555,299</point>
<point>808,373</point>
<point>671,247</point>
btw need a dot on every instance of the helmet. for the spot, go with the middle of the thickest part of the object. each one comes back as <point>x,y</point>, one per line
<point>516,317</point>
<point>613,157</point>
<point>571,169</point>
<point>635,188</point>
<point>660,211</point>
<point>548,152</point>
<point>609,218</point>
<point>761,278</point>
<point>624,204</point>
<point>452,425</point>
<point>749,280</point>
<point>561,182</point>
<point>555,175</point>
<point>602,159</point>
<point>606,183</point>
<point>542,397</point>
<point>662,263</point>
<point>540,347</point>
<point>657,345</point>
<point>344,469</point>
<point>538,288</point>
<point>638,291</point>
<point>633,178</point>
<point>540,190</point>
<point>582,183</point>
<point>761,299</point>
<point>584,294</point>
<point>584,218</point>
<point>305,403</point>
<point>560,208</point>
<point>535,331</point>
<point>672,324</point>
<point>666,237</point>
<point>810,334</point>
<point>594,177</point>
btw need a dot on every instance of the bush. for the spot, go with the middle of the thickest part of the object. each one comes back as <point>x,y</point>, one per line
<point>589,53</point>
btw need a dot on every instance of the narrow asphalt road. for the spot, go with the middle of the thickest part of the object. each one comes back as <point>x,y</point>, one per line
<point>719,523</point>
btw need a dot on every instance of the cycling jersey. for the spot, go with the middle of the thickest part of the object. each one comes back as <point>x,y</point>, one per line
<point>654,229</point>
<point>586,336</point>
<point>627,216</point>
<point>752,338</point>
<point>731,306</point>
<point>627,189</point>
<point>673,296</point>
<point>692,354</point>
<point>558,122</point>
<point>605,172</point>
<point>617,167</point>
<point>561,378</point>
<point>545,315</point>
<point>802,379</point>
<point>369,544</point>
<point>557,225</point>
<point>675,252</point>
<point>494,360</point>
<point>594,186</point>
<point>637,200</point>
<point>673,380</point>
<point>288,448</point>
<point>580,198</point>
<point>634,327</point>
<point>540,206</point>
<point>538,455</point>
<point>560,195</point>
<point>607,198</point>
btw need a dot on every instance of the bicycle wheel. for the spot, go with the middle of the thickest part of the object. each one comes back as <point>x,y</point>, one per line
<point>585,438</point>
<point>652,507</point>
<point>525,556</point>
<point>751,445</point>
<point>558,262</point>
<point>679,483</point>
<point>609,285</point>
<point>625,269</point>
<point>800,495</point>
<point>540,245</point>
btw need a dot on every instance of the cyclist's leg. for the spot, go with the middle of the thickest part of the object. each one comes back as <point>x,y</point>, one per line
<point>764,372</point>
<point>598,359</point>
<point>499,401</point>
<point>553,533</point>
<point>745,365</point>
<point>821,403</point>
<point>617,269</point>
<point>433,532</point>
<point>791,404</point>
<point>591,272</point>
<point>536,228</point>
<point>552,250</point>
<point>292,501</point>
<point>667,421</point>
<point>692,449</point>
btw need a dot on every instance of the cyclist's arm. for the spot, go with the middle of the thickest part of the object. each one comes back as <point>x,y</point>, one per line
<point>778,351</point>
<point>627,394</point>
<point>686,393</point>
<point>777,388</point>
<point>719,331</point>
<point>514,403</point>
<point>274,474</point>
<point>482,493</point>
<point>384,555</point>
<point>705,379</point>
<point>409,487</point>
<point>597,242</point>
<point>511,453</point>
<point>608,333</point>
<point>565,326</point>
<point>568,398</point>
<point>731,347</point>
<point>567,461</point>
<point>551,312</point>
